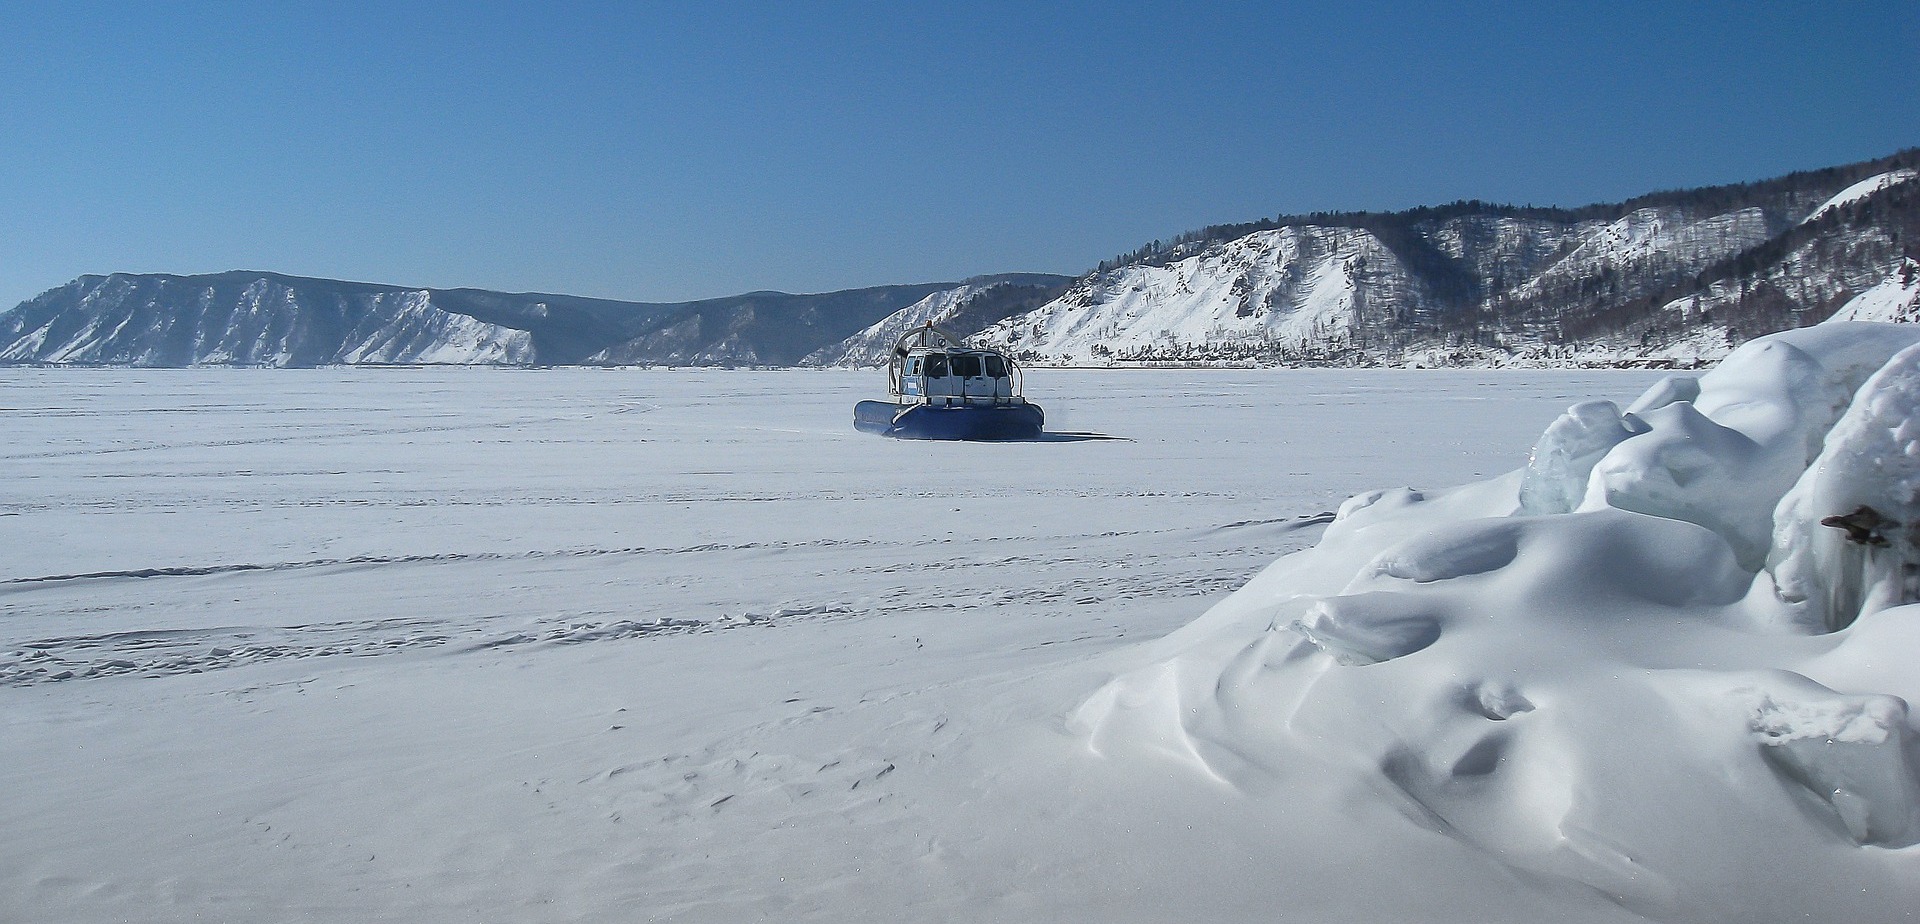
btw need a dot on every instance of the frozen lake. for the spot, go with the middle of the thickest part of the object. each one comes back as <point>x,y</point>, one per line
<point>447,644</point>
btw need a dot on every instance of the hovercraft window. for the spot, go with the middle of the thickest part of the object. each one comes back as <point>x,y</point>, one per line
<point>936,365</point>
<point>996,367</point>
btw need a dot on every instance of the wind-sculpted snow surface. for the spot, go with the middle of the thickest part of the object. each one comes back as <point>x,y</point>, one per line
<point>1615,669</point>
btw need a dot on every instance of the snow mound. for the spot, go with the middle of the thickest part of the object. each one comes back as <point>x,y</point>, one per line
<point>1668,658</point>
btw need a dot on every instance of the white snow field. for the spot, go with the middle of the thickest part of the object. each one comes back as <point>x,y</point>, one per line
<point>463,644</point>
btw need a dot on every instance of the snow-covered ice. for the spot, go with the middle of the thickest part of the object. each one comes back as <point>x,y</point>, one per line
<point>419,645</point>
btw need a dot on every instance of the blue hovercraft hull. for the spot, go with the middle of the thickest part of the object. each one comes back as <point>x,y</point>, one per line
<point>927,422</point>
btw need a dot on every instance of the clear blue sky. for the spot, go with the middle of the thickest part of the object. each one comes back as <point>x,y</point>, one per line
<point>661,151</point>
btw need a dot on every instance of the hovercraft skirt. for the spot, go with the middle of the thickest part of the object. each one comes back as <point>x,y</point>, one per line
<point>966,422</point>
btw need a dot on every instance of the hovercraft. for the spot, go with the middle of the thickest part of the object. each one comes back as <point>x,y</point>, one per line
<point>945,390</point>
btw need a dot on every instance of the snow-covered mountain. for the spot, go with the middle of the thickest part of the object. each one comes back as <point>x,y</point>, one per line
<point>257,321</point>
<point>1670,278</point>
<point>267,319</point>
<point>1674,277</point>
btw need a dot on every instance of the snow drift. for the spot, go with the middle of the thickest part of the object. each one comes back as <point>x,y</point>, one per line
<point>1669,660</point>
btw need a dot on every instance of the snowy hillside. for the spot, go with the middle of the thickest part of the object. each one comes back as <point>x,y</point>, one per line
<point>1896,298</point>
<point>1671,278</point>
<point>872,344</point>
<point>1863,189</point>
<point>1303,291</point>
<point>1856,243</point>
<point>967,307</point>
<point>1311,294</point>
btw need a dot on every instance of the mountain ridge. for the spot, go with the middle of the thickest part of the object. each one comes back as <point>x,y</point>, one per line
<point>1667,277</point>
<point>263,318</point>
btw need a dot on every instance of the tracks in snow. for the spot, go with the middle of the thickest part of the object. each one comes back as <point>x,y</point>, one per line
<point>6,584</point>
<point>856,579</point>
